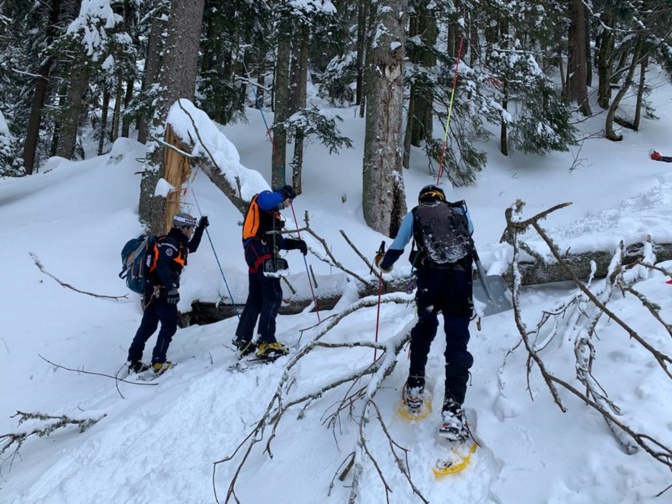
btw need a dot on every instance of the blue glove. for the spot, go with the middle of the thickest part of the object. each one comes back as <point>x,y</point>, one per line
<point>173,296</point>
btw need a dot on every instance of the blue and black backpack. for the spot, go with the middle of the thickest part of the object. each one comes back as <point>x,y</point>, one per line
<point>138,259</point>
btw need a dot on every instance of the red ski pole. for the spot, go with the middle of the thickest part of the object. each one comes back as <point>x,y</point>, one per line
<point>381,250</point>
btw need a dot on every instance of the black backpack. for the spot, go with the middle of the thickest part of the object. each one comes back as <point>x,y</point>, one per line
<point>441,230</point>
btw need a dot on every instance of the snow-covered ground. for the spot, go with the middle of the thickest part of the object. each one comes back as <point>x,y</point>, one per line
<point>157,442</point>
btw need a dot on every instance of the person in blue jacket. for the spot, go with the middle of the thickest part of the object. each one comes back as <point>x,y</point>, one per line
<point>261,242</point>
<point>162,294</point>
<point>442,232</point>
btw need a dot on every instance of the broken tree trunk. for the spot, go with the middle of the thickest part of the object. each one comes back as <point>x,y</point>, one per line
<point>177,172</point>
<point>542,272</point>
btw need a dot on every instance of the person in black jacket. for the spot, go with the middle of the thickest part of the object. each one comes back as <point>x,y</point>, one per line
<point>260,242</point>
<point>442,232</point>
<point>162,292</point>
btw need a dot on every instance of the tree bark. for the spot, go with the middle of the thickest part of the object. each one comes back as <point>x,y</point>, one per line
<point>125,121</point>
<point>362,16</point>
<point>604,59</point>
<point>116,117</point>
<point>640,93</point>
<point>103,119</point>
<point>535,273</point>
<point>384,199</point>
<point>152,68</point>
<point>577,71</point>
<point>71,113</point>
<point>178,80</point>
<point>40,95</point>
<point>611,113</point>
<point>282,103</point>
<point>300,88</point>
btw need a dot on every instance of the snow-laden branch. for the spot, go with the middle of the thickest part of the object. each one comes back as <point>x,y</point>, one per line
<point>369,375</point>
<point>581,316</point>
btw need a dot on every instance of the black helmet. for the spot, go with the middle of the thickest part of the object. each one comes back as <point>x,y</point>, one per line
<point>431,193</point>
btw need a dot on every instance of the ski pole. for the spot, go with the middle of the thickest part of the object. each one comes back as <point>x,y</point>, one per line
<point>450,110</point>
<point>305,262</point>
<point>207,233</point>
<point>381,250</point>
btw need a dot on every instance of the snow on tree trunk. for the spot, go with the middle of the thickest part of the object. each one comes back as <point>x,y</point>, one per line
<point>384,200</point>
<point>178,80</point>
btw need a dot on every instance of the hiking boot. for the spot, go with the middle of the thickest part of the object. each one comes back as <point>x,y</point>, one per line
<point>271,350</point>
<point>412,397</point>
<point>454,427</point>
<point>244,347</point>
<point>161,367</point>
<point>137,367</point>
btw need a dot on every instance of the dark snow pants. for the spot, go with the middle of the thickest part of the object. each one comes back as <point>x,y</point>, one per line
<point>447,291</point>
<point>158,310</point>
<point>263,299</point>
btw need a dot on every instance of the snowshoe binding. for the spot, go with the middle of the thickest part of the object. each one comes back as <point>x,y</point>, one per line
<point>454,427</point>
<point>271,351</point>
<point>244,347</point>
<point>137,367</point>
<point>161,367</point>
<point>415,404</point>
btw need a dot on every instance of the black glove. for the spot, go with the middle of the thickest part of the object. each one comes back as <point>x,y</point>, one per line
<point>173,296</point>
<point>204,222</point>
<point>288,192</point>
<point>291,244</point>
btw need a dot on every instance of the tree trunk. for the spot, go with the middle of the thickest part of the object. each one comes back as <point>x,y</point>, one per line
<point>40,95</point>
<point>503,130</point>
<point>422,126</point>
<point>406,160</point>
<point>384,200</point>
<point>102,132</point>
<point>72,112</point>
<point>577,65</point>
<point>370,21</point>
<point>282,103</point>
<point>126,121</point>
<point>589,52</point>
<point>535,273</point>
<point>604,58</point>
<point>640,92</point>
<point>116,117</point>
<point>362,11</point>
<point>300,98</point>
<point>611,113</point>
<point>152,68</point>
<point>178,80</point>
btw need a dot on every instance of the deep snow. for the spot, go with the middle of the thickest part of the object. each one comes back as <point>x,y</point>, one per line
<point>158,442</point>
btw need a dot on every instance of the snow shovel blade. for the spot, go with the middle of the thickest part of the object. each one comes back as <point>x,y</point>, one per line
<point>491,290</point>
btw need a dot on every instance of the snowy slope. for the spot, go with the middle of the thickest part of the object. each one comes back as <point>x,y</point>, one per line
<point>157,442</point>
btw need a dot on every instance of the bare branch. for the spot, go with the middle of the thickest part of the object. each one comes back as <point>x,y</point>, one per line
<point>68,286</point>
